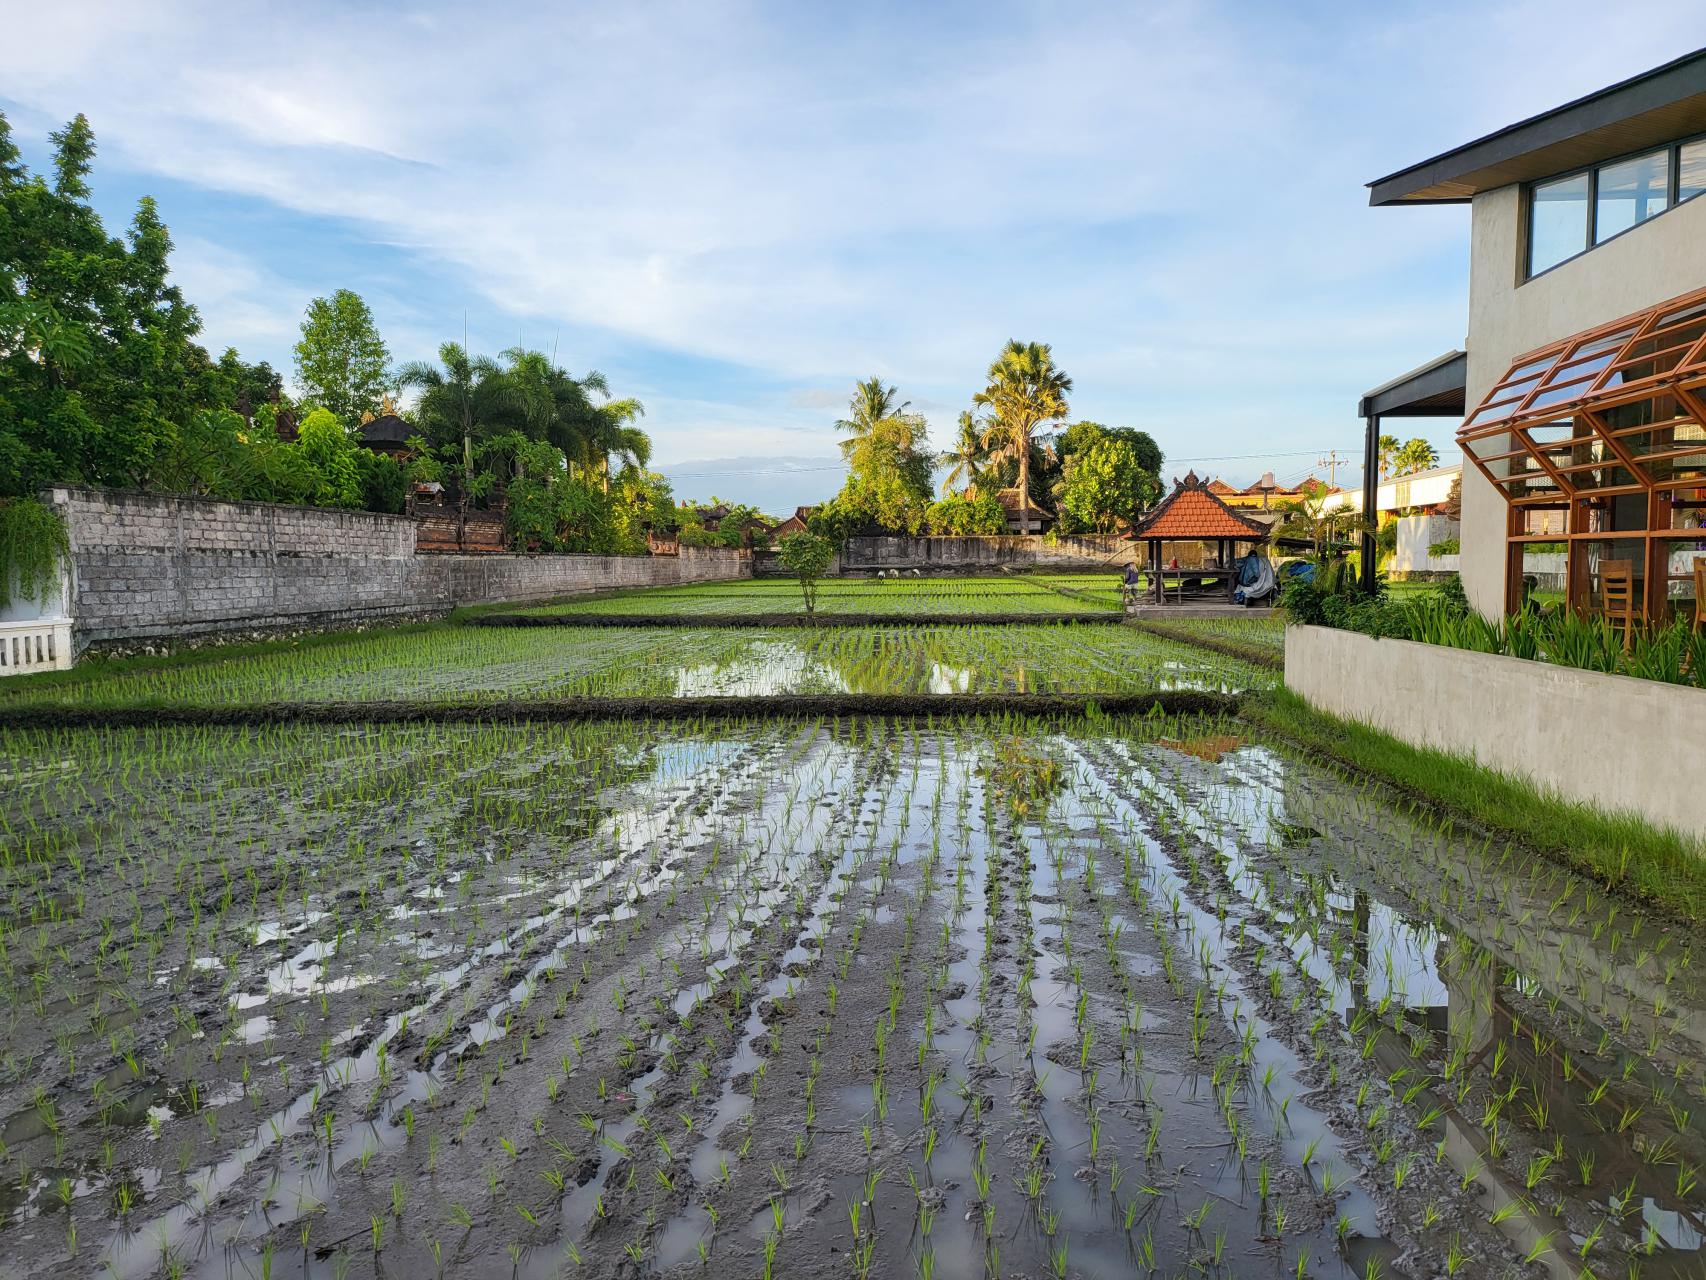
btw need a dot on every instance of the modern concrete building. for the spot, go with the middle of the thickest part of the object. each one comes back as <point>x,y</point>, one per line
<point>1584,375</point>
<point>1418,490</point>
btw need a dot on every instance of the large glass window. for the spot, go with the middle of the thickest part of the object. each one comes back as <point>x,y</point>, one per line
<point>1690,170</point>
<point>1558,222</point>
<point>1630,192</point>
<point>1571,214</point>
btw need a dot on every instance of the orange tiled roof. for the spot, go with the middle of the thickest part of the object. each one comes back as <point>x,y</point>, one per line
<point>1192,512</point>
<point>1220,487</point>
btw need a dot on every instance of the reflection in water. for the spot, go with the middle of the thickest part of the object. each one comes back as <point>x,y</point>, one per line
<point>1550,1038</point>
<point>766,668</point>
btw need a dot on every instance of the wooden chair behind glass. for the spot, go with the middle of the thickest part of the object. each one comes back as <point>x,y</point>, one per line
<point>1617,596</point>
<point>1699,593</point>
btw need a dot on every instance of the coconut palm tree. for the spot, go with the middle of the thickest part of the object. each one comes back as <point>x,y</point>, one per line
<point>469,396</point>
<point>1386,449</point>
<point>615,436</point>
<point>872,403</point>
<point>1413,456</point>
<point>967,456</point>
<point>1025,390</point>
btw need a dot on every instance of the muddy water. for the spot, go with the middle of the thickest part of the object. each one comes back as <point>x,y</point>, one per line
<point>1130,998</point>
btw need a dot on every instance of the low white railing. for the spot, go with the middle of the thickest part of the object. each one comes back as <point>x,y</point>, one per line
<point>41,645</point>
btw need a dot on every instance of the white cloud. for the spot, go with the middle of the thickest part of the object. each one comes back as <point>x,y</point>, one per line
<point>1172,194</point>
<point>240,304</point>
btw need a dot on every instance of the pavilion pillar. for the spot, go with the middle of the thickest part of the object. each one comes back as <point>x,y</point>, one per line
<point>1370,497</point>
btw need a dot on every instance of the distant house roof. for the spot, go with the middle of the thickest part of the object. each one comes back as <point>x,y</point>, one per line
<point>387,429</point>
<point>1220,487</point>
<point>795,522</point>
<point>1009,500</point>
<point>1191,513</point>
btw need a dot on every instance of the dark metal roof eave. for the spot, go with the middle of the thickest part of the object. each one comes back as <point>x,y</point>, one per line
<point>1437,389</point>
<point>1664,86</point>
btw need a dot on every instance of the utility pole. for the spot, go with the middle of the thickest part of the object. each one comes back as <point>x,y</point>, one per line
<point>1332,462</point>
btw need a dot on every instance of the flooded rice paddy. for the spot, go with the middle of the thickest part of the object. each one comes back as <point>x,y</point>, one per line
<point>883,597</point>
<point>1103,997</point>
<point>472,664</point>
<point>857,997</point>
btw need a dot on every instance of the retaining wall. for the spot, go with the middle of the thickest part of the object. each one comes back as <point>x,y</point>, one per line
<point>1520,717</point>
<point>981,554</point>
<point>148,567</point>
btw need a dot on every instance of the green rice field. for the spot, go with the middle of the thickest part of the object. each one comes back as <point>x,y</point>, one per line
<point>829,996</point>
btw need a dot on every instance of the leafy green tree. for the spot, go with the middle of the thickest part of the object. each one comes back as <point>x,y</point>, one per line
<point>384,482</point>
<point>97,359</point>
<point>1104,484</point>
<point>210,454</point>
<point>1024,391</point>
<point>641,500</point>
<point>341,361</point>
<point>248,386</point>
<point>326,445</point>
<point>888,476</point>
<point>1081,435</point>
<point>964,517</point>
<point>809,557</point>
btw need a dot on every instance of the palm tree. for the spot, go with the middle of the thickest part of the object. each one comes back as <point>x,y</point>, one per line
<point>1025,390</point>
<point>967,456</point>
<point>1387,449</point>
<point>1414,455</point>
<point>615,436</point>
<point>1308,517</point>
<point>872,403</point>
<point>467,397</point>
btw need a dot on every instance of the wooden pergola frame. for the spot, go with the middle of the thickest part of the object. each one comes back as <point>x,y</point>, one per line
<point>1615,412</point>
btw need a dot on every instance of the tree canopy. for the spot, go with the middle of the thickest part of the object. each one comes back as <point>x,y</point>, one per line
<point>100,375</point>
<point>103,383</point>
<point>1025,390</point>
<point>1107,475</point>
<point>342,363</point>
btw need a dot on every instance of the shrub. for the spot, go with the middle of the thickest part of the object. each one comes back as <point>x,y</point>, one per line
<point>808,556</point>
<point>33,542</point>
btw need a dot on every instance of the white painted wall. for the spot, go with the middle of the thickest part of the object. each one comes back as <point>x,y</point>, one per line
<point>1415,535</point>
<point>1511,714</point>
<point>1509,316</point>
<point>1422,489</point>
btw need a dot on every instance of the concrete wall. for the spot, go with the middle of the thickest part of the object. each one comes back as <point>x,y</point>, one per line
<point>1515,716</point>
<point>1419,489</point>
<point>1415,535</point>
<point>768,564</point>
<point>1509,316</point>
<point>147,567</point>
<point>984,554</point>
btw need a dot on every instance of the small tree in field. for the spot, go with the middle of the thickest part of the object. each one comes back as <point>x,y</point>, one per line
<point>808,556</point>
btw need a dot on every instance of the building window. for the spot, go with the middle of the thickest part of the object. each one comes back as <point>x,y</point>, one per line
<point>1630,192</point>
<point>1557,222</point>
<point>1690,170</point>
<point>1570,214</point>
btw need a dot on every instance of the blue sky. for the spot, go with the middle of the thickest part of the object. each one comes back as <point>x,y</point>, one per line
<point>735,210</point>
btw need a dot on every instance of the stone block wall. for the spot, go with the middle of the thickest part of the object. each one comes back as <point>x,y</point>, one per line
<point>147,567</point>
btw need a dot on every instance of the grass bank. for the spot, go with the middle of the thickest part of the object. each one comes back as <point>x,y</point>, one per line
<point>1257,655</point>
<point>1621,851</point>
